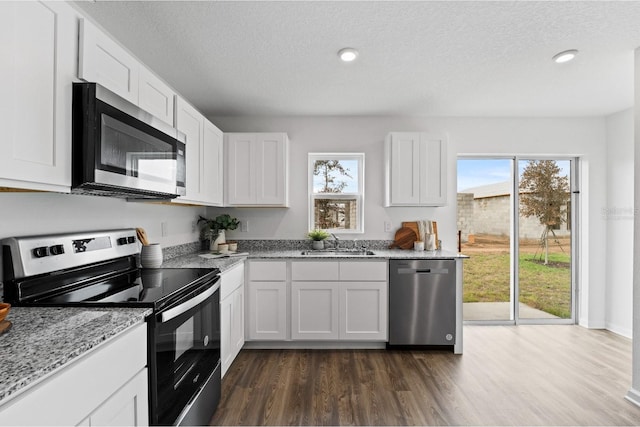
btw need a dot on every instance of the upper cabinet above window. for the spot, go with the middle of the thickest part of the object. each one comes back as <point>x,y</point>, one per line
<point>415,169</point>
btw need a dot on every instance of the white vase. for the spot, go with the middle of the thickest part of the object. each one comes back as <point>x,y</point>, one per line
<point>220,239</point>
<point>151,256</point>
<point>318,244</point>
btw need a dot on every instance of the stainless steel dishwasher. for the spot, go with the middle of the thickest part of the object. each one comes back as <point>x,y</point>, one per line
<point>422,302</point>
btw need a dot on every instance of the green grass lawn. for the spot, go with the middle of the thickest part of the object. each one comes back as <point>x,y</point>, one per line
<point>545,287</point>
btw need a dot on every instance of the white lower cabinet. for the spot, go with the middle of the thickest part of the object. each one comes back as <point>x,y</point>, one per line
<point>106,386</point>
<point>231,315</point>
<point>267,301</point>
<point>325,300</point>
<point>314,311</point>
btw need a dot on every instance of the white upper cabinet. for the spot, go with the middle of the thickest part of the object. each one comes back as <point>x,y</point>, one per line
<point>155,96</point>
<point>257,169</point>
<point>415,170</point>
<point>103,60</point>
<point>204,156</point>
<point>39,56</point>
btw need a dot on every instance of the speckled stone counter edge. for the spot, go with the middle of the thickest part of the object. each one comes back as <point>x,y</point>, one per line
<point>43,339</point>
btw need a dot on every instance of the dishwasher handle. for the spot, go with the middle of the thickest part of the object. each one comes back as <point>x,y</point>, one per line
<point>423,271</point>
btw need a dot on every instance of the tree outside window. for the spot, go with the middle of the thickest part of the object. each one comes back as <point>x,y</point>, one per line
<point>336,192</point>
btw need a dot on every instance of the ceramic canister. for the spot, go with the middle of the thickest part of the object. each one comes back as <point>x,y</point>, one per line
<point>151,255</point>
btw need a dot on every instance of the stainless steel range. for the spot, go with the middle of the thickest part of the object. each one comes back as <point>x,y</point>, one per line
<point>100,268</point>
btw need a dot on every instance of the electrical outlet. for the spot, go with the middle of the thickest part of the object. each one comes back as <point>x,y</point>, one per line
<point>165,228</point>
<point>244,226</point>
<point>387,226</point>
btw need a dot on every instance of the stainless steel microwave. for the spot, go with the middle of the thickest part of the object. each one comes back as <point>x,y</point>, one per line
<point>120,150</point>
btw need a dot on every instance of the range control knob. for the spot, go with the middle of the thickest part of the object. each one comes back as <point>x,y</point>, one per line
<point>41,252</point>
<point>56,249</point>
<point>122,241</point>
<point>131,239</point>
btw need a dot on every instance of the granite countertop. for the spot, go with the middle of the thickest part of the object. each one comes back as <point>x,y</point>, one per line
<point>42,339</point>
<point>196,261</point>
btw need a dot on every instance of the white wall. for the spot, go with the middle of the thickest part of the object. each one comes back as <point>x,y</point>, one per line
<point>47,213</point>
<point>584,137</point>
<point>619,215</point>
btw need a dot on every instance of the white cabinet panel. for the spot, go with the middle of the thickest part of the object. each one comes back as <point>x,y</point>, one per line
<point>129,406</point>
<point>212,165</point>
<point>267,311</point>
<point>363,311</point>
<point>38,53</point>
<point>190,122</point>
<point>104,61</point>
<point>267,270</point>
<point>314,311</point>
<point>415,170</point>
<point>314,270</point>
<point>155,96</point>
<point>364,270</point>
<point>231,315</point>
<point>257,169</point>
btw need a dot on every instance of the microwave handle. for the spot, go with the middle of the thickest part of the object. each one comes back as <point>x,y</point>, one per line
<point>176,311</point>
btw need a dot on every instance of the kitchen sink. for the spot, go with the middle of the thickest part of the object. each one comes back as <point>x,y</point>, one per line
<point>329,252</point>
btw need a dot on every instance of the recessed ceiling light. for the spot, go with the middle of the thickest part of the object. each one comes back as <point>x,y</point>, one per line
<point>565,56</point>
<point>348,54</point>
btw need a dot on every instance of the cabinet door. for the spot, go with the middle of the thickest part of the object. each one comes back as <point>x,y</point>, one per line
<point>127,407</point>
<point>190,122</point>
<point>212,164</point>
<point>38,51</point>
<point>271,169</point>
<point>404,173</point>
<point>314,311</point>
<point>237,324</point>
<point>267,311</point>
<point>433,172</point>
<point>155,96</point>
<point>241,170</point>
<point>226,321</point>
<point>363,311</point>
<point>104,61</point>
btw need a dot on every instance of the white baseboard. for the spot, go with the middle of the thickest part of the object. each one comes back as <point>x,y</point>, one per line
<point>616,329</point>
<point>633,396</point>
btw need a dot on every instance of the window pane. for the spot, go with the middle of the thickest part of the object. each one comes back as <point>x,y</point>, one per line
<point>335,176</point>
<point>336,214</point>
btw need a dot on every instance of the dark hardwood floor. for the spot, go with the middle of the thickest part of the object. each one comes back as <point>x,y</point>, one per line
<point>508,375</point>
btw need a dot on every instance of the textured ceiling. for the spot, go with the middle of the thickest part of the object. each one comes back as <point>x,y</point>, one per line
<point>436,58</point>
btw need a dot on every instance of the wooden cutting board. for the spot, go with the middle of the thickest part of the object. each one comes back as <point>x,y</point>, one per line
<point>404,238</point>
<point>414,226</point>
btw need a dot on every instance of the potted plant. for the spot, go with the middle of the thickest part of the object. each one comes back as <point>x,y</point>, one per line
<point>318,237</point>
<point>214,229</point>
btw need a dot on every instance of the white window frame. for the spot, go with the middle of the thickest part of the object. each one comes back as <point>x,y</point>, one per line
<point>359,196</point>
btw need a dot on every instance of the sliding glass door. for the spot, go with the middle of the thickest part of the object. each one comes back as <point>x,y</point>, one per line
<point>516,218</point>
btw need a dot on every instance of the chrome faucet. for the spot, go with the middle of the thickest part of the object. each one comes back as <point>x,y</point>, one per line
<point>336,241</point>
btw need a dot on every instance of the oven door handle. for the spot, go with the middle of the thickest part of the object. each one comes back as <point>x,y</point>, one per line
<point>176,311</point>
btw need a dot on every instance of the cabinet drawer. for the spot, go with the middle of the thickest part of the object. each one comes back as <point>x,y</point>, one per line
<point>363,270</point>
<point>230,280</point>
<point>267,270</point>
<point>314,270</point>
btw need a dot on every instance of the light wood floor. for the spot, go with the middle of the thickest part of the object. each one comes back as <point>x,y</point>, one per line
<point>508,375</point>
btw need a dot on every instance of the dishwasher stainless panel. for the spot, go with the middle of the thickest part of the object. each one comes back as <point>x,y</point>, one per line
<point>422,302</point>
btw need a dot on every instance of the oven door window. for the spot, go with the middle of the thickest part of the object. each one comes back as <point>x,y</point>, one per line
<point>187,350</point>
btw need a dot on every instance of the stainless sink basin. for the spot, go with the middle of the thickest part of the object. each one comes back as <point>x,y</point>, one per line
<point>329,252</point>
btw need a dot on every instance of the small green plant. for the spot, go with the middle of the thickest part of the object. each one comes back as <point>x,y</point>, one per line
<point>211,227</point>
<point>318,235</point>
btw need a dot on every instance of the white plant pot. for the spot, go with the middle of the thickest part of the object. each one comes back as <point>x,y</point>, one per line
<point>318,244</point>
<point>220,239</point>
